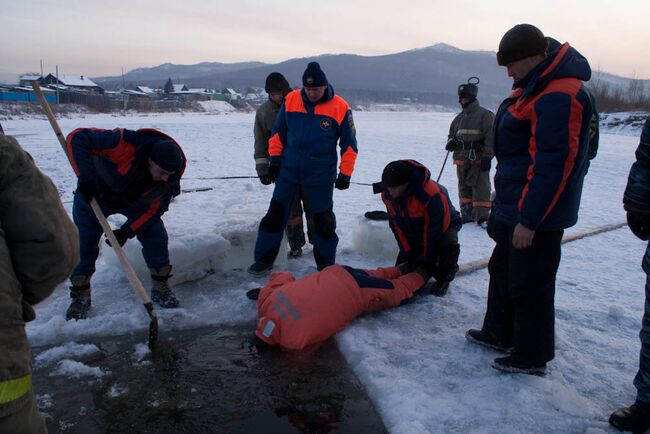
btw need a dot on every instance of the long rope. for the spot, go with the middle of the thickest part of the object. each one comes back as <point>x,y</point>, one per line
<point>470,267</point>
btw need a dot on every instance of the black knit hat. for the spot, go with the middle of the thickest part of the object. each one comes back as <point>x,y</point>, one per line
<point>276,82</point>
<point>396,173</point>
<point>523,40</point>
<point>314,76</point>
<point>167,155</point>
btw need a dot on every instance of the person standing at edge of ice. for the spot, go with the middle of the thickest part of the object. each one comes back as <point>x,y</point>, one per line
<point>470,139</point>
<point>302,154</point>
<point>423,220</point>
<point>277,88</point>
<point>541,136</point>
<point>133,173</point>
<point>636,201</point>
<point>38,249</point>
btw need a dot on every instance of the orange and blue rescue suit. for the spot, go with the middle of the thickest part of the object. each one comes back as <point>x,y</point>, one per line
<point>541,138</point>
<point>297,313</point>
<point>425,223</point>
<point>304,141</point>
<point>117,161</point>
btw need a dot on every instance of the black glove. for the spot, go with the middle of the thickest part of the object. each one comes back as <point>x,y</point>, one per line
<point>452,144</point>
<point>486,163</point>
<point>87,190</point>
<point>639,223</point>
<point>342,182</point>
<point>121,237</point>
<point>274,170</point>
<point>265,179</point>
<point>28,312</point>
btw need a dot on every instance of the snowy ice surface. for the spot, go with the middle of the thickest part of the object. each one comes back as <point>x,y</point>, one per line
<point>70,349</point>
<point>74,369</point>
<point>414,361</point>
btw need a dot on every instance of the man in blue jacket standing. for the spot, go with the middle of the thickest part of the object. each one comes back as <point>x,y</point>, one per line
<point>133,173</point>
<point>636,201</point>
<point>541,135</point>
<point>302,154</point>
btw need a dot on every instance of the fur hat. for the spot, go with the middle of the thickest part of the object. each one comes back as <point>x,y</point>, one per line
<point>275,82</point>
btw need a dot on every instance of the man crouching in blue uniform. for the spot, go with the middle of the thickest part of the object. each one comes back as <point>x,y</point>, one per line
<point>133,173</point>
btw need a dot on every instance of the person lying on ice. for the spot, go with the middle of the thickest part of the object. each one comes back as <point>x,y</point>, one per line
<point>297,313</point>
<point>423,220</point>
<point>134,173</point>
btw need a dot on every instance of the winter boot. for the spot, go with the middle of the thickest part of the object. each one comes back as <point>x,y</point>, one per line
<point>467,213</point>
<point>516,365</point>
<point>160,292</point>
<point>635,418</point>
<point>439,289</point>
<point>80,295</point>
<point>295,253</point>
<point>253,294</point>
<point>486,339</point>
<point>259,268</point>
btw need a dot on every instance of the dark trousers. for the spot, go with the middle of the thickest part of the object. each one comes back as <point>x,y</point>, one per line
<point>521,294</point>
<point>324,238</point>
<point>445,265</point>
<point>152,236</point>
<point>295,231</point>
<point>642,379</point>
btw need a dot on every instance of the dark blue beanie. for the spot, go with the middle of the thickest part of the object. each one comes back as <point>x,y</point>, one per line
<point>166,154</point>
<point>314,76</point>
<point>396,173</point>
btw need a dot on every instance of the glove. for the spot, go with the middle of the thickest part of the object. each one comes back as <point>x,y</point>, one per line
<point>274,170</point>
<point>28,312</point>
<point>451,144</point>
<point>639,223</point>
<point>342,182</point>
<point>121,237</point>
<point>486,163</point>
<point>87,190</point>
<point>265,179</point>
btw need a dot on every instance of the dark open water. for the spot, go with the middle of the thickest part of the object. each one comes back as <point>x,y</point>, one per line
<point>208,381</point>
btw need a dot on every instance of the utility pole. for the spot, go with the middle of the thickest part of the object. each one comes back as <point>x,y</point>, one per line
<point>57,84</point>
<point>41,68</point>
<point>123,83</point>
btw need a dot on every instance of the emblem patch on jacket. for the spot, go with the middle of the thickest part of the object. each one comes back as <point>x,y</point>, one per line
<point>325,124</point>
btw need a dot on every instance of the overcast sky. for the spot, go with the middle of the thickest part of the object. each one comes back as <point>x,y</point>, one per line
<point>100,37</point>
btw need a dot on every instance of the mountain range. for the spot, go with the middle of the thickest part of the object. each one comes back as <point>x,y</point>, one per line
<point>427,75</point>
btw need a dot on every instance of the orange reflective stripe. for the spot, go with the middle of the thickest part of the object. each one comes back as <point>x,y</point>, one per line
<point>348,159</point>
<point>293,102</point>
<point>336,108</point>
<point>485,204</point>
<point>458,162</point>
<point>68,143</point>
<point>275,146</point>
<point>153,208</point>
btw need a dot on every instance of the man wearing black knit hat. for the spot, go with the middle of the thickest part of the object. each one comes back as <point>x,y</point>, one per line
<point>541,135</point>
<point>423,220</point>
<point>133,173</point>
<point>302,155</point>
<point>277,87</point>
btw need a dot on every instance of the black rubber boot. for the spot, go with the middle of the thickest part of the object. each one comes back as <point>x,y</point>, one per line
<point>160,292</point>
<point>80,295</point>
<point>635,418</point>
